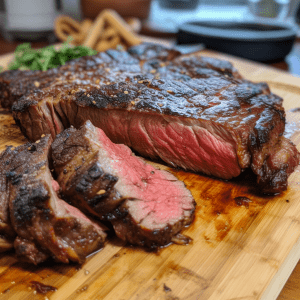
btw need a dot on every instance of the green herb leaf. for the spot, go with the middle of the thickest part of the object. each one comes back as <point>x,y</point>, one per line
<point>46,58</point>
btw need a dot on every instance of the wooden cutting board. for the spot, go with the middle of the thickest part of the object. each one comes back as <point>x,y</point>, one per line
<point>244,246</point>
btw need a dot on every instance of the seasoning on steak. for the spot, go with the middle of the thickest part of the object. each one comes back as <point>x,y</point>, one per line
<point>191,112</point>
<point>46,225</point>
<point>146,206</point>
<point>140,59</point>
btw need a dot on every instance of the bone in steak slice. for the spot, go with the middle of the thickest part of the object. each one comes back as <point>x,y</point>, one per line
<point>45,224</point>
<point>191,112</point>
<point>146,206</point>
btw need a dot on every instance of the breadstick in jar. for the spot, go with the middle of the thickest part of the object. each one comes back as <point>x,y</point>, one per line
<point>109,33</point>
<point>94,32</point>
<point>66,27</point>
<point>104,45</point>
<point>123,29</point>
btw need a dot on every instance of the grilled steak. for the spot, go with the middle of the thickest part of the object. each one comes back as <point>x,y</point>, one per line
<point>191,112</point>
<point>140,59</point>
<point>146,206</point>
<point>46,226</point>
<point>16,83</point>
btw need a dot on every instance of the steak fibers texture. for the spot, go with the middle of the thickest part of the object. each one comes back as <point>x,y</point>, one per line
<point>146,206</point>
<point>192,112</point>
<point>43,225</point>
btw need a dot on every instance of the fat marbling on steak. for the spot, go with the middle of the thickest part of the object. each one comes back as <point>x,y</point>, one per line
<point>45,225</point>
<point>146,206</point>
<point>189,111</point>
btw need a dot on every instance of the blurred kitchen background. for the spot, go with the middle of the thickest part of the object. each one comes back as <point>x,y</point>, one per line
<point>158,15</point>
<point>33,20</point>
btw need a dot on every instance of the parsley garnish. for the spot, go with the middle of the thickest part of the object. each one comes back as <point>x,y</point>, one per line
<point>46,58</point>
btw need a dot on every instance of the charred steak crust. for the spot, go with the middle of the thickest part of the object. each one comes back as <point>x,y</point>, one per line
<point>7,80</point>
<point>81,175</point>
<point>147,207</point>
<point>16,83</point>
<point>189,111</point>
<point>140,59</point>
<point>7,233</point>
<point>46,225</point>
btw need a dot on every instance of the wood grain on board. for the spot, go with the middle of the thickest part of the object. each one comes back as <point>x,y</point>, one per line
<point>245,245</point>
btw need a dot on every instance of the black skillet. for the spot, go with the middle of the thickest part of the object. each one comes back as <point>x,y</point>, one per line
<point>263,41</point>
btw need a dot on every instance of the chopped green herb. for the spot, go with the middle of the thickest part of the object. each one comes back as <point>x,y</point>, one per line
<point>46,58</point>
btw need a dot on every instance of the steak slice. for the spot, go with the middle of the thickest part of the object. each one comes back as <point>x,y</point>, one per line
<point>191,112</point>
<point>45,224</point>
<point>7,233</point>
<point>147,207</point>
<point>29,251</point>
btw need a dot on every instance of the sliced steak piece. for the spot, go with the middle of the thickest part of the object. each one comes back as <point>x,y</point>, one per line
<point>82,174</point>
<point>146,206</point>
<point>6,243</point>
<point>191,112</point>
<point>29,251</point>
<point>7,233</point>
<point>45,224</point>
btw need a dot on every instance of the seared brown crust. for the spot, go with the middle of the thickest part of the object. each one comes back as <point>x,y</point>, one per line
<point>92,185</point>
<point>81,176</point>
<point>7,81</point>
<point>193,90</point>
<point>14,84</point>
<point>278,164</point>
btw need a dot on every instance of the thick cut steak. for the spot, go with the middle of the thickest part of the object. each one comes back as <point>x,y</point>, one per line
<point>146,206</point>
<point>46,225</point>
<point>189,111</point>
